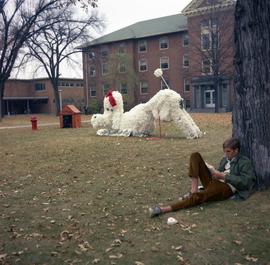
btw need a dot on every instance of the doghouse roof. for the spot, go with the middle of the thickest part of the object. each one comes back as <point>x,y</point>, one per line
<point>70,109</point>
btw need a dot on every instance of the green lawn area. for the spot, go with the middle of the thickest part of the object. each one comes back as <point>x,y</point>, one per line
<point>71,197</point>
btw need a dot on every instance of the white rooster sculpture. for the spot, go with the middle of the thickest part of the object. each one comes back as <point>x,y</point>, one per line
<point>166,105</point>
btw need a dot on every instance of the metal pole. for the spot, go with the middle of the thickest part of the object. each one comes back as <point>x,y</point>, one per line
<point>60,99</point>
<point>165,82</point>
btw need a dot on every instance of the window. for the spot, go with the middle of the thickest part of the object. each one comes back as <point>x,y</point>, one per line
<point>205,24</point>
<point>225,95</point>
<point>123,88</point>
<point>163,43</point>
<point>187,103</point>
<point>143,65</point>
<point>185,61</point>
<point>122,68</point>
<point>92,70</point>
<point>186,85</point>
<point>206,66</point>
<point>142,46</point>
<point>164,63</point>
<point>91,55</point>
<point>163,84</point>
<point>209,98</point>
<point>106,88</point>
<point>93,91</point>
<point>205,41</point>
<point>185,40</point>
<point>144,87</point>
<point>104,51</point>
<point>39,86</point>
<point>105,68</point>
<point>122,48</point>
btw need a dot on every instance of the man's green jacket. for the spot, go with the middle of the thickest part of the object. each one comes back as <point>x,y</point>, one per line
<point>241,175</point>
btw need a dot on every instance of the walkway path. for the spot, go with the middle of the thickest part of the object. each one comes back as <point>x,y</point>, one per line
<point>29,126</point>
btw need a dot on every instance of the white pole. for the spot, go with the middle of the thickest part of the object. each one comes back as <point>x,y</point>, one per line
<point>165,82</point>
<point>60,98</point>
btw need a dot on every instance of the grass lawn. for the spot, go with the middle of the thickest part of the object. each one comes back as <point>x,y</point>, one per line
<point>71,197</point>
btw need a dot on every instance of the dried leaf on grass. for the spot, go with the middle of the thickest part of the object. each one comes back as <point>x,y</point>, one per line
<point>95,261</point>
<point>138,263</point>
<point>117,256</point>
<point>251,258</point>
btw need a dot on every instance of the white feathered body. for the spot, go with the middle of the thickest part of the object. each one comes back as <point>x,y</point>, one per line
<point>140,120</point>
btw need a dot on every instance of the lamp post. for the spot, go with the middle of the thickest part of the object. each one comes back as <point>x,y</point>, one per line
<point>60,99</point>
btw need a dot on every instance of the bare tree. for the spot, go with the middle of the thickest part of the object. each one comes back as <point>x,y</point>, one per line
<point>251,123</point>
<point>19,20</point>
<point>121,75</point>
<point>211,46</point>
<point>57,42</point>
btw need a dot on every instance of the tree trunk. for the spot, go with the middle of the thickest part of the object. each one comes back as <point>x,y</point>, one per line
<point>56,97</point>
<point>2,84</point>
<point>251,122</point>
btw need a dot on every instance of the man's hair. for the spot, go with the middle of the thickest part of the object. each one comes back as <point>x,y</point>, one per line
<point>232,143</point>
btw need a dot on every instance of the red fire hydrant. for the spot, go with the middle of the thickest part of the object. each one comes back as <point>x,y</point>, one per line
<point>34,123</point>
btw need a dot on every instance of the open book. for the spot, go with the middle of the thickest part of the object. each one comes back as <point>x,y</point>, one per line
<point>210,167</point>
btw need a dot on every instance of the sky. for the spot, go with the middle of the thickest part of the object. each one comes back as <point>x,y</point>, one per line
<point>118,14</point>
<point>122,13</point>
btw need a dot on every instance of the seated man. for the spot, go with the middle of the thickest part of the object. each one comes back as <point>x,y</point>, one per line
<point>234,176</point>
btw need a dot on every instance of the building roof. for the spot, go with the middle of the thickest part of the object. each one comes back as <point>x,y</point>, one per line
<point>197,7</point>
<point>143,29</point>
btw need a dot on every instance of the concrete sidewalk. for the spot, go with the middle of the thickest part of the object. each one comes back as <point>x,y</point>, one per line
<point>29,126</point>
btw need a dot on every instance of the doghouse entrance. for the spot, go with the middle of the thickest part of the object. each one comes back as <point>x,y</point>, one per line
<point>67,121</point>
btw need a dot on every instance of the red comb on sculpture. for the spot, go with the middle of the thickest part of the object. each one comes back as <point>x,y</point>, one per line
<point>111,98</point>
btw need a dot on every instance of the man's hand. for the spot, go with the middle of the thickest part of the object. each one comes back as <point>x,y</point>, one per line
<point>218,175</point>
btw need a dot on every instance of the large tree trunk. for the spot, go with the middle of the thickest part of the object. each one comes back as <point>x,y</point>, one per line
<point>251,121</point>
<point>2,85</point>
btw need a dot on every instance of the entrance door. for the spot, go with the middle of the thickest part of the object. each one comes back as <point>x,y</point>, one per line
<point>209,98</point>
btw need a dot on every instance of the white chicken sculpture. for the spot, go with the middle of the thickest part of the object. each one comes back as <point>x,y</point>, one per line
<point>165,105</point>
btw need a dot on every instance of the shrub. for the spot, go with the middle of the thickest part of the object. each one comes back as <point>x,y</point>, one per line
<point>93,107</point>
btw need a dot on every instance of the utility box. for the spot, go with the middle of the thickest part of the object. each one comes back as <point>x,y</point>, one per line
<point>70,117</point>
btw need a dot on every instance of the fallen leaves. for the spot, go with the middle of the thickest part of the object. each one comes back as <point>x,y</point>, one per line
<point>251,258</point>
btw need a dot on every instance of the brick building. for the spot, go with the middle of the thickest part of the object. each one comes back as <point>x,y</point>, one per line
<point>23,96</point>
<point>181,44</point>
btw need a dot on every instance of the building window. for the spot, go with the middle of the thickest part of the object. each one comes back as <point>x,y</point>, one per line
<point>225,95</point>
<point>92,70</point>
<point>163,43</point>
<point>187,104</point>
<point>185,40</point>
<point>91,55</point>
<point>143,65</point>
<point>104,51</point>
<point>186,85</point>
<point>123,88</point>
<point>105,68</point>
<point>163,84</point>
<point>39,87</point>
<point>164,63</point>
<point>93,91</point>
<point>106,88</point>
<point>142,46</point>
<point>206,66</point>
<point>185,61</point>
<point>205,24</point>
<point>122,68</point>
<point>122,48</point>
<point>209,98</point>
<point>205,41</point>
<point>144,87</point>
